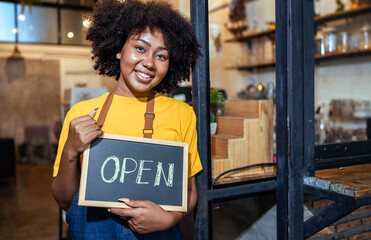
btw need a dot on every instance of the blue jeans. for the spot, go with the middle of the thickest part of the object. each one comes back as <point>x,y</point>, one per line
<point>91,223</point>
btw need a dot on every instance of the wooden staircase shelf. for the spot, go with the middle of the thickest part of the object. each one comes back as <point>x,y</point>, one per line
<point>244,137</point>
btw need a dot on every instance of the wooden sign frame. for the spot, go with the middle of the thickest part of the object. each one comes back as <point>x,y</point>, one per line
<point>108,204</point>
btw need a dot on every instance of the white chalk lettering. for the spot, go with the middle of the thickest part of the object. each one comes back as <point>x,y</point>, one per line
<point>140,171</point>
<point>117,169</point>
<point>130,165</point>
<point>169,181</point>
<point>124,171</point>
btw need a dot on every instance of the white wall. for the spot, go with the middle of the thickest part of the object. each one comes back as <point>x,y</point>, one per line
<point>76,65</point>
<point>232,53</point>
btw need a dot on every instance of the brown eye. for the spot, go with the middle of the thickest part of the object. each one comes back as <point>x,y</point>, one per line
<point>139,48</point>
<point>162,57</point>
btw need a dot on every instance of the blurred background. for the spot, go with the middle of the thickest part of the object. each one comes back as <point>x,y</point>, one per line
<point>46,67</point>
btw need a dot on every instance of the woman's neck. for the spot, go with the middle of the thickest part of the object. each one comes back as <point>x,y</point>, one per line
<point>126,92</point>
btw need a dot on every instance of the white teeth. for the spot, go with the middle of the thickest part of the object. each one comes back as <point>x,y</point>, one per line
<point>143,75</point>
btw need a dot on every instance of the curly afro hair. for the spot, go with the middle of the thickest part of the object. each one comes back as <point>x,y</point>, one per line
<point>113,22</point>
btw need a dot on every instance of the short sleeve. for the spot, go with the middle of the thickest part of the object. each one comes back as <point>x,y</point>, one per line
<point>62,141</point>
<point>190,136</point>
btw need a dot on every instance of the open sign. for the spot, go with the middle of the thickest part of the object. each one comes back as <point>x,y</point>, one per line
<point>136,168</point>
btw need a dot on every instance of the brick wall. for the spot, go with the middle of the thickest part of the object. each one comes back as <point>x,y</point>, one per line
<point>354,226</point>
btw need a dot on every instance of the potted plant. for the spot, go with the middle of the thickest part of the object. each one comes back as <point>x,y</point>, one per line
<point>213,124</point>
<point>216,108</point>
<point>217,102</point>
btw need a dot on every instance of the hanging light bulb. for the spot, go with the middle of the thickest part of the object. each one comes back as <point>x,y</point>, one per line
<point>70,35</point>
<point>86,23</point>
<point>21,17</point>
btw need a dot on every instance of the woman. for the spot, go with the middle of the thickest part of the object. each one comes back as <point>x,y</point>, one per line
<point>149,48</point>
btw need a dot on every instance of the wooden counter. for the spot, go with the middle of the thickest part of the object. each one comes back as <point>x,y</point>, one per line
<point>354,181</point>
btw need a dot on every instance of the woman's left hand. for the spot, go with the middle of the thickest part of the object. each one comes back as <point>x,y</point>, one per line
<point>146,216</point>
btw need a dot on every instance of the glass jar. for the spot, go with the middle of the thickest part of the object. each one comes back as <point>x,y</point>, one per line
<point>343,44</point>
<point>319,43</point>
<point>365,38</point>
<point>330,37</point>
<point>317,7</point>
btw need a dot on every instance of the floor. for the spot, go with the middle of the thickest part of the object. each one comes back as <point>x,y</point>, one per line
<point>28,209</point>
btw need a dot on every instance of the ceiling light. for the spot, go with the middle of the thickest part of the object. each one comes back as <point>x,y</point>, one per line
<point>70,35</point>
<point>86,23</point>
<point>14,30</point>
<point>21,17</point>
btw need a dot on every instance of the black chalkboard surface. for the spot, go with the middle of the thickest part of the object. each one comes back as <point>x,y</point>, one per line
<point>117,166</point>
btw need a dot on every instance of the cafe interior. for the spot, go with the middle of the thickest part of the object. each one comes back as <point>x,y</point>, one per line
<point>46,68</point>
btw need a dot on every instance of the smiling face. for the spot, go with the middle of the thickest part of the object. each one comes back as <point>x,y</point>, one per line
<point>144,62</point>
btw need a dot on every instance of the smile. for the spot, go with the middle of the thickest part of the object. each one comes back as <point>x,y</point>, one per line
<point>143,75</point>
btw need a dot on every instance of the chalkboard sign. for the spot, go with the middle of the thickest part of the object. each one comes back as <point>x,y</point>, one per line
<point>117,166</point>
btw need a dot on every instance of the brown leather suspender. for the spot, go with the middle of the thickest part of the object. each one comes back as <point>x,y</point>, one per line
<point>104,111</point>
<point>149,114</point>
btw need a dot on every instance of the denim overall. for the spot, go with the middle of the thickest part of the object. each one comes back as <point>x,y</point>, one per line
<point>91,223</point>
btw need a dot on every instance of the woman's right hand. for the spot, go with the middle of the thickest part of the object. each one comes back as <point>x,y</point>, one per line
<point>82,131</point>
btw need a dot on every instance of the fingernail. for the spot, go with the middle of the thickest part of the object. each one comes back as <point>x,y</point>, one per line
<point>125,200</point>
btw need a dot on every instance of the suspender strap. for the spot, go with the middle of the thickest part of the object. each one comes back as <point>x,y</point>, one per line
<point>149,115</point>
<point>104,111</point>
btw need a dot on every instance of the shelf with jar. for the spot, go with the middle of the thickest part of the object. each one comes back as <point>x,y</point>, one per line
<point>318,59</point>
<point>342,120</point>
<point>363,9</point>
<point>356,11</point>
<point>329,44</point>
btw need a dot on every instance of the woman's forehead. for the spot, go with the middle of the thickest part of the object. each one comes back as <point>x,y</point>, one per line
<point>148,33</point>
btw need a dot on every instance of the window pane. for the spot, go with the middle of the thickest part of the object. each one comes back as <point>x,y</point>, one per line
<point>342,71</point>
<point>85,3</point>
<point>7,24</point>
<point>48,1</point>
<point>73,30</point>
<point>37,25</point>
<point>242,60</point>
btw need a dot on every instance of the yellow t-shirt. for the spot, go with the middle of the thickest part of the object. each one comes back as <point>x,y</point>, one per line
<point>174,121</point>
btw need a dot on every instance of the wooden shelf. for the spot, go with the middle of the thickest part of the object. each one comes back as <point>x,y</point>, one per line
<point>251,67</point>
<point>318,58</point>
<point>318,20</point>
<point>342,55</point>
<point>246,177</point>
<point>253,35</point>
<point>354,181</point>
<point>342,14</point>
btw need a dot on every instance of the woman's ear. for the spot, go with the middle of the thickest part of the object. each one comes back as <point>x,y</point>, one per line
<point>118,55</point>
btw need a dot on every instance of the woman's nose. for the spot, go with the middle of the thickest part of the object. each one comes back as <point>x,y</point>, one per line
<point>148,61</point>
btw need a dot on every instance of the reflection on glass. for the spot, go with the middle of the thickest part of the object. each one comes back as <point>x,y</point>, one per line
<point>73,29</point>
<point>342,85</point>
<point>37,24</point>
<point>241,38</point>
<point>49,1</point>
<point>7,25</point>
<point>85,3</point>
